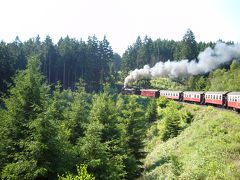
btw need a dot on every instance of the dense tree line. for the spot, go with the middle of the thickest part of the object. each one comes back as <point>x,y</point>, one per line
<point>92,60</point>
<point>66,61</point>
<point>46,132</point>
<point>150,52</point>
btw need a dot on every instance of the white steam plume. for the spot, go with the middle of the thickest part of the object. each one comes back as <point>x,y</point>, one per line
<point>209,60</point>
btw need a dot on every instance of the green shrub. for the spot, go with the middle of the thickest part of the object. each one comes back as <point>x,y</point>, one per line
<point>82,174</point>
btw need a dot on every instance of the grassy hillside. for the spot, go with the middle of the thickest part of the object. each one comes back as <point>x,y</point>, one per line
<point>207,148</point>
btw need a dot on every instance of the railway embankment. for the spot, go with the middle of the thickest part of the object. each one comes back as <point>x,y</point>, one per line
<point>208,146</point>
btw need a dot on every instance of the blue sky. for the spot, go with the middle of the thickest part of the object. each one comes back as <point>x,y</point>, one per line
<point>120,20</point>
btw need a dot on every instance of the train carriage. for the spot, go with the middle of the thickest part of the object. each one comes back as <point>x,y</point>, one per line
<point>222,98</point>
<point>193,96</point>
<point>216,98</point>
<point>176,95</point>
<point>149,92</point>
<point>233,100</point>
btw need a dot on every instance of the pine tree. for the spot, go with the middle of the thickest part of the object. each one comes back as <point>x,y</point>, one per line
<point>133,116</point>
<point>151,112</point>
<point>189,45</point>
<point>101,147</point>
<point>172,122</point>
<point>30,135</point>
<point>25,103</point>
<point>78,112</point>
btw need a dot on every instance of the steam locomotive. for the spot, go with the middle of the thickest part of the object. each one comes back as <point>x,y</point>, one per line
<point>223,99</point>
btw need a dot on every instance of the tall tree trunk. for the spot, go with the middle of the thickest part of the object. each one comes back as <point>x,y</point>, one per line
<point>64,73</point>
<point>49,70</point>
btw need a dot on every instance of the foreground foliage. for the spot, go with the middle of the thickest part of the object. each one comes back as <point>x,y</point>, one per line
<point>82,174</point>
<point>45,133</point>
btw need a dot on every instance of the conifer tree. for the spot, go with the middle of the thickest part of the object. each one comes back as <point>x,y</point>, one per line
<point>133,115</point>
<point>30,138</point>
<point>172,122</point>
<point>101,147</point>
<point>25,103</point>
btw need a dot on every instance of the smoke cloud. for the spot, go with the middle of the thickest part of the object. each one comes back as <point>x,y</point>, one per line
<point>208,60</point>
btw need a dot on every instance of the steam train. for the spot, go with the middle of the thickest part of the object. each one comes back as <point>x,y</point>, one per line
<point>222,99</point>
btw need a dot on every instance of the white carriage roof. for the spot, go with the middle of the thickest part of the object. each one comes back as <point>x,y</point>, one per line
<point>220,92</point>
<point>169,91</point>
<point>193,92</point>
<point>234,93</point>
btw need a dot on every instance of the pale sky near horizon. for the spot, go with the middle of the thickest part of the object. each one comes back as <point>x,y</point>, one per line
<point>120,20</point>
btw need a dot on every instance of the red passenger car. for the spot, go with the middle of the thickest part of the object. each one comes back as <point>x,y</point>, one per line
<point>234,100</point>
<point>177,95</point>
<point>217,98</point>
<point>193,96</point>
<point>149,92</point>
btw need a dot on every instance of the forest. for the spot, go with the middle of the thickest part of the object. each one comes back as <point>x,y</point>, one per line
<point>63,116</point>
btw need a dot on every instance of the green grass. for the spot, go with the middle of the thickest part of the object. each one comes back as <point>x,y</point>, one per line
<point>209,148</point>
<point>166,83</point>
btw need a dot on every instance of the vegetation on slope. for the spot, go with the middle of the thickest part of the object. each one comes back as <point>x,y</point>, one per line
<point>208,147</point>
